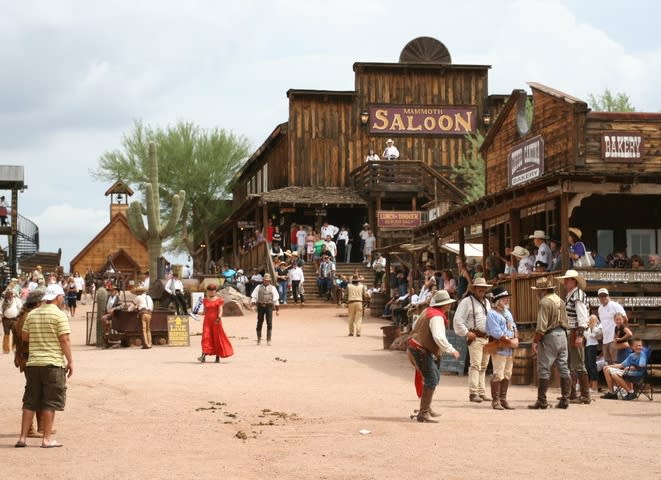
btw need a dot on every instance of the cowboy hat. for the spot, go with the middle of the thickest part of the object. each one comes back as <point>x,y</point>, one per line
<point>440,298</point>
<point>575,231</point>
<point>355,278</point>
<point>544,283</point>
<point>288,253</point>
<point>520,252</point>
<point>538,234</point>
<point>139,290</point>
<point>499,292</point>
<point>580,280</point>
<point>267,276</point>
<point>481,282</point>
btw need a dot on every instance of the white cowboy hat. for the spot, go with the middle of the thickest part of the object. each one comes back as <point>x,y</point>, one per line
<point>440,298</point>
<point>481,282</point>
<point>538,234</point>
<point>580,280</point>
<point>520,252</point>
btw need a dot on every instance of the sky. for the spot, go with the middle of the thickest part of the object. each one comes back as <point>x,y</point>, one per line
<point>76,74</point>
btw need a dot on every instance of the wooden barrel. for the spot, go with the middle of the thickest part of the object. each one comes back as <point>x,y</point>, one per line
<point>523,365</point>
<point>390,333</point>
<point>377,302</point>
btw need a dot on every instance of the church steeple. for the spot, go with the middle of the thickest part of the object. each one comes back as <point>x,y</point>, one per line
<point>119,194</point>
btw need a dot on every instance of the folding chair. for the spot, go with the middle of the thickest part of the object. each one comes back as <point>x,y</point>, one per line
<point>642,384</point>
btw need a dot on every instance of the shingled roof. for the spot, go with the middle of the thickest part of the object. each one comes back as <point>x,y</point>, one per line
<point>314,196</point>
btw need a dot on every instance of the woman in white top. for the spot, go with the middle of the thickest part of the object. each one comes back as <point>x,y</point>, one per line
<point>371,156</point>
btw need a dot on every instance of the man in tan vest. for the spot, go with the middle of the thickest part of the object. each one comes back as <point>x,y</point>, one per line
<point>425,347</point>
<point>356,296</point>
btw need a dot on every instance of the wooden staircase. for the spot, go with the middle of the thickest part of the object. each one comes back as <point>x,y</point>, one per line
<point>312,298</point>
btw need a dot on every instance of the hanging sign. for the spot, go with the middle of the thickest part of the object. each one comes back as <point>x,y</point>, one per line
<point>618,146</point>
<point>423,120</point>
<point>525,161</point>
<point>397,220</point>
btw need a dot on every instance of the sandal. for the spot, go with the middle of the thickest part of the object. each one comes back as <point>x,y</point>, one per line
<point>20,444</point>
<point>51,444</point>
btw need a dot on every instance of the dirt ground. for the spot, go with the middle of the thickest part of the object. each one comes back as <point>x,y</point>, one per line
<point>295,410</point>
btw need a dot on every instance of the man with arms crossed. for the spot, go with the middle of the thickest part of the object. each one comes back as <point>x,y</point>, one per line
<point>47,329</point>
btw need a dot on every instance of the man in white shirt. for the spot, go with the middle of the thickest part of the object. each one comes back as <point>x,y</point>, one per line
<point>297,278</point>
<point>176,289</point>
<point>470,321</point>
<point>145,306</point>
<point>327,229</point>
<point>363,234</point>
<point>330,247</point>
<point>526,261</point>
<point>265,297</point>
<point>379,266</point>
<point>544,253</point>
<point>607,311</point>
<point>390,152</point>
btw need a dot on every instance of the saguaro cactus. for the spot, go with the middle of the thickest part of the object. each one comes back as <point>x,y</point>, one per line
<point>154,234</point>
<point>101,299</point>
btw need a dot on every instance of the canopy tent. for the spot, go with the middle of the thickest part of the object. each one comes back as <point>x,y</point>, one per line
<point>470,249</point>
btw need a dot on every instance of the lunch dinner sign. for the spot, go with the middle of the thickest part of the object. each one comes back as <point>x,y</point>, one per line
<point>525,161</point>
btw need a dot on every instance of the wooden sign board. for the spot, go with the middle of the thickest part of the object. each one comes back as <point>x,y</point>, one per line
<point>398,220</point>
<point>245,224</point>
<point>423,119</point>
<point>448,363</point>
<point>525,161</point>
<point>622,147</point>
<point>178,331</point>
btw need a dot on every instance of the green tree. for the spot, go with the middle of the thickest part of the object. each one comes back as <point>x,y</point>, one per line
<point>607,102</point>
<point>197,161</point>
<point>469,174</point>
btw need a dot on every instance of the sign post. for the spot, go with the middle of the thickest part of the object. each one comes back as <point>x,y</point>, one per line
<point>178,331</point>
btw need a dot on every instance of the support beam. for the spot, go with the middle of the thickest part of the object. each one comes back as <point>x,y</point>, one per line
<point>564,229</point>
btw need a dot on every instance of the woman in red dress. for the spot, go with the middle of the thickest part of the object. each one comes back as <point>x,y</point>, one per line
<point>214,340</point>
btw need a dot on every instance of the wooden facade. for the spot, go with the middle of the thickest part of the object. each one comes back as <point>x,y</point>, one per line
<point>600,172</point>
<point>325,141</point>
<point>114,246</point>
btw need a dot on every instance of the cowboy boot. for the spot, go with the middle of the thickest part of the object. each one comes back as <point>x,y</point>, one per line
<point>541,403</point>
<point>504,385</point>
<point>572,392</point>
<point>584,382</point>
<point>565,389</point>
<point>5,344</point>
<point>495,395</point>
<point>425,402</point>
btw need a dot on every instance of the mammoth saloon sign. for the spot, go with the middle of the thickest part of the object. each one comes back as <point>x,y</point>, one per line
<point>525,161</point>
<point>423,120</point>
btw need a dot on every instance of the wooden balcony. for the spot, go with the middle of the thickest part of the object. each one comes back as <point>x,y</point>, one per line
<point>406,177</point>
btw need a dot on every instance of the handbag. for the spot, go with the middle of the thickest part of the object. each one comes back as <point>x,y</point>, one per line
<point>585,261</point>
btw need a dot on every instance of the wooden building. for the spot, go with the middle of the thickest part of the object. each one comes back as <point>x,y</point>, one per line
<point>570,167</point>
<point>312,167</point>
<point>114,248</point>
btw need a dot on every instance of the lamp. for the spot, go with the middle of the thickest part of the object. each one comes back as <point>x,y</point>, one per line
<point>364,117</point>
<point>486,119</point>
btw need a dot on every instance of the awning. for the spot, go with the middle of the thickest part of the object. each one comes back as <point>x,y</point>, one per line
<point>470,249</point>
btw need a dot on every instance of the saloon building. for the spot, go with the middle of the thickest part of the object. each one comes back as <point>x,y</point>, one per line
<point>312,168</point>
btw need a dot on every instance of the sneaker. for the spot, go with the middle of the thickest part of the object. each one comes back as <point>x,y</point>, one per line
<point>629,396</point>
<point>268,342</point>
<point>609,396</point>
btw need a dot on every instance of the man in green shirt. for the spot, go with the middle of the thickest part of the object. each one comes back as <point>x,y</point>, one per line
<point>47,329</point>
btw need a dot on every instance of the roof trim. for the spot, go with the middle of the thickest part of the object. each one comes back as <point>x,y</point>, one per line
<point>119,187</point>
<point>626,116</point>
<point>333,93</point>
<point>565,97</point>
<point>416,66</point>
<point>295,195</point>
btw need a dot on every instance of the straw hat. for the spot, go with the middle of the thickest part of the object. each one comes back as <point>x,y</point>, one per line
<point>544,283</point>
<point>139,290</point>
<point>481,282</point>
<point>440,298</point>
<point>580,280</point>
<point>520,252</point>
<point>267,276</point>
<point>576,232</point>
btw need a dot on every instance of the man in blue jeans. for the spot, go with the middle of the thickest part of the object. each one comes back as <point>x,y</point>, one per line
<point>425,347</point>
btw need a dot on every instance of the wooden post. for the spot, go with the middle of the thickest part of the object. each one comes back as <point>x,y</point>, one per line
<point>414,203</point>
<point>235,244</point>
<point>13,252</point>
<point>564,229</point>
<point>265,219</point>
<point>437,251</point>
<point>462,239</point>
<point>373,222</point>
<point>515,226</point>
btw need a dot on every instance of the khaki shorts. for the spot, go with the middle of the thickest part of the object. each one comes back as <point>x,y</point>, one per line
<point>45,388</point>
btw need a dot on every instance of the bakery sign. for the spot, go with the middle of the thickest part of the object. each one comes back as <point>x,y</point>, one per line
<point>525,161</point>
<point>423,120</point>
<point>618,146</point>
